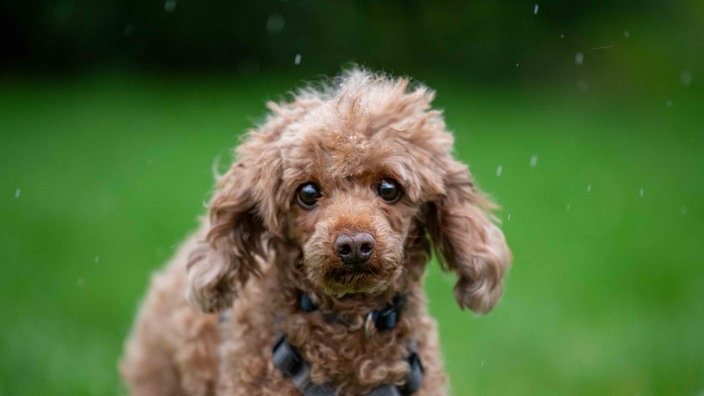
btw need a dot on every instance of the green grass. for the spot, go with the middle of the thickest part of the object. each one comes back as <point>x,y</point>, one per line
<point>102,176</point>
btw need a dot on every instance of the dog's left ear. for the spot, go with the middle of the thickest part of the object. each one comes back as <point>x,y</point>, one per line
<point>464,237</point>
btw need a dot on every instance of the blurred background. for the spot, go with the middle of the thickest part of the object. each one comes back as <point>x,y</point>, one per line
<point>583,119</point>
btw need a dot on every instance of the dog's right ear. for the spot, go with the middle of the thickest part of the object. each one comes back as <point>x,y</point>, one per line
<point>246,212</point>
<point>227,256</point>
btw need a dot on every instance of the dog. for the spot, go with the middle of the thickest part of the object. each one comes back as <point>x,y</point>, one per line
<point>306,276</point>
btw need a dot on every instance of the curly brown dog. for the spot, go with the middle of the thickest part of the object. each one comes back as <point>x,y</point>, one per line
<point>307,276</point>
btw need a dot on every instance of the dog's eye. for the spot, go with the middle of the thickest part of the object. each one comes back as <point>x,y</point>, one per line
<point>307,195</point>
<point>389,190</point>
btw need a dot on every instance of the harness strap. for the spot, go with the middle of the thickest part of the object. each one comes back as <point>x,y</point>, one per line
<point>384,319</point>
<point>287,359</point>
<point>384,390</point>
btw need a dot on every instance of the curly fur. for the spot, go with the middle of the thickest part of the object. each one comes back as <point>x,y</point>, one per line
<point>258,249</point>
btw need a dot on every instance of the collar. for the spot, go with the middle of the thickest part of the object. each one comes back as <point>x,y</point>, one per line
<point>383,319</point>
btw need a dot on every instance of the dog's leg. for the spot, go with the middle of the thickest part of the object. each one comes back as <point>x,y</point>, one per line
<point>434,378</point>
<point>172,348</point>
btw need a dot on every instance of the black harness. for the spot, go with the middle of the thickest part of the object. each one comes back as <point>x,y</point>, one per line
<point>383,319</point>
<point>287,359</point>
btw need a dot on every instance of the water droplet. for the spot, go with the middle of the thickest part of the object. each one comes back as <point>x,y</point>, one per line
<point>668,103</point>
<point>297,60</point>
<point>508,218</point>
<point>589,188</point>
<point>569,206</point>
<point>641,192</point>
<point>17,193</point>
<point>562,36</point>
<point>535,10</point>
<point>516,64</point>
<point>499,170</point>
<point>482,366</point>
<point>63,10</point>
<point>97,259</point>
<point>683,210</point>
<point>128,30</point>
<point>626,34</point>
<point>275,23</point>
<point>533,161</point>
<point>169,5</point>
<point>579,58</point>
<point>583,85</point>
<point>80,282</point>
<point>686,78</point>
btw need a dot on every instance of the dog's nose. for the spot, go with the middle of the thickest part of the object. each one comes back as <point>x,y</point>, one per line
<point>354,249</point>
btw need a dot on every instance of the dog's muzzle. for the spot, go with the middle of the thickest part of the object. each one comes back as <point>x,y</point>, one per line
<point>354,249</point>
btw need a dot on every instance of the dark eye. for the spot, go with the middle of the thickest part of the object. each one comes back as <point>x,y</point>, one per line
<point>307,195</point>
<point>389,190</point>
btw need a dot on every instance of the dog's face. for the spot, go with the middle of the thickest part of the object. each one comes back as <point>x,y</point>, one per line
<point>351,178</point>
<point>354,204</point>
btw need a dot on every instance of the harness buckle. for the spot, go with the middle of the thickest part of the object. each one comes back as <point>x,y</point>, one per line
<point>285,357</point>
<point>414,380</point>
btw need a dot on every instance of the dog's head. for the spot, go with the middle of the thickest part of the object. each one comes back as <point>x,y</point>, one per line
<point>350,181</point>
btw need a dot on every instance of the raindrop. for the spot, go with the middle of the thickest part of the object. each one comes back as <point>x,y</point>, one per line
<point>535,10</point>
<point>562,36</point>
<point>499,170</point>
<point>508,218</point>
<point>97,259</point>
<point>641,192</point>
<point>626,33</point>
<point>583,85</point>
<point>129,29</point>
<point>79,282</point>
<point>569,206</point>
<point>248,67</point>
<point>516,64</point>
<point>297,60</point>
<point>684,210</point>
<point>589,188</point>
<point>579,59</point>
<point>275,23</point>
<point>17,193</point>
<point>482,366</point>
<point>533,161</point>
<point>169,5</point>
<point>668,103</point>
<point>686,78</point>
<point>64,10</point>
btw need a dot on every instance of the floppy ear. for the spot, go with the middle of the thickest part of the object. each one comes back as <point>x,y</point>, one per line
<point>227,255</point>
<point>459,223</point>
<point>246,213</point>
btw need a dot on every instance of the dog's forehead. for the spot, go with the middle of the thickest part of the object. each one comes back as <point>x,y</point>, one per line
<point>337,153</point>
<point>331,155</point>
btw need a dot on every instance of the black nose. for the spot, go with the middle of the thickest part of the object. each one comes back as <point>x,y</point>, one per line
<point>355,248</point>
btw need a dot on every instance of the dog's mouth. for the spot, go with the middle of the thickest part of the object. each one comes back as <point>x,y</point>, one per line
<point>345,271</point>
<point>340,280</point>
<point>337,273</point>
